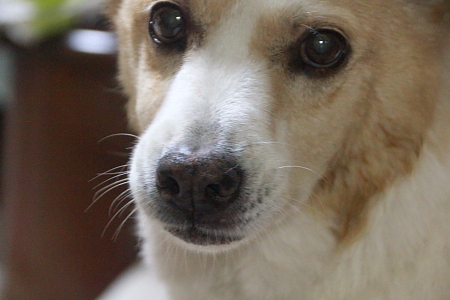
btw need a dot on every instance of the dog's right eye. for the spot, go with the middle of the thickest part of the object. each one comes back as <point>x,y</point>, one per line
<point>167,23</point>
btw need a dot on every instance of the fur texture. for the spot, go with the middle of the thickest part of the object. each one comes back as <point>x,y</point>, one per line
<point>346,190</point>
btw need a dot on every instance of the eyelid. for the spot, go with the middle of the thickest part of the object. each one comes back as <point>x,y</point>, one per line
<point>315,27</point>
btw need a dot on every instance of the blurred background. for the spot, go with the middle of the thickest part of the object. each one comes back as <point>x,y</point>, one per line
<point>62,124</point>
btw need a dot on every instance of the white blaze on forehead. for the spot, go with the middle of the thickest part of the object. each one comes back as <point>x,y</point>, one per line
<point>218,82</point>
<point>222,81</point>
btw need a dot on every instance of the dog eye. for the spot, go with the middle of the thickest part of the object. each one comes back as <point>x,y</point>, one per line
<point>324,49</point>
<point>167,23</point>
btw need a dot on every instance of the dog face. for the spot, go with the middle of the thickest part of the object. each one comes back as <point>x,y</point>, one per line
<point>252,112</point>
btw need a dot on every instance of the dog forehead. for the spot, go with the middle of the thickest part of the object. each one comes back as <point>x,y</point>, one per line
<point>211,12</point>
<point>237,22</point>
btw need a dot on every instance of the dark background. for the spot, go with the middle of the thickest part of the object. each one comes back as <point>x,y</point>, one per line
<point>61,105</point>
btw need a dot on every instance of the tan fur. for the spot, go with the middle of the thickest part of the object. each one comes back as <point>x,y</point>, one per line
<point>384,146</point>
<point>132,28</point>
<point>352,140</point>
<point>382,132</point>
<point>360,169</point>
<point>210,11</point>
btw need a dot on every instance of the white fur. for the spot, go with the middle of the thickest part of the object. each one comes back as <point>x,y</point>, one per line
<point>287,253</point>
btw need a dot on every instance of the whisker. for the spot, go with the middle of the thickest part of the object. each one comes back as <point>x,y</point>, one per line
<point>103,191</point>
<point>119,153</point>
<point>300,167</point>
<point>119,199</point>
<point>116,175</point>
<point>274,143</point>
<point>232,168</point>
<point>119,228</point>
<point>110,172</point>
<point>307,205</point>
<point>119,134</point>
<point>116,215</point>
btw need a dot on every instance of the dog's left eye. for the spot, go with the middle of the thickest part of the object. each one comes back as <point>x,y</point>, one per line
<point>167,23</point>
<point>324,49</point>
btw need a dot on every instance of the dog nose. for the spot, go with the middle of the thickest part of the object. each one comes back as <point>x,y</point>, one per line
<point>200,183</point>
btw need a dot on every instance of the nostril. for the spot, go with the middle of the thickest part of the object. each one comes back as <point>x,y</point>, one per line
<point>225,188</point>
<point>230,184</point>
<point>167,186</point>
<point>212,190</point>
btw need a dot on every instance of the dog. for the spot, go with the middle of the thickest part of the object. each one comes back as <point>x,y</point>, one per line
<point>288,149</point>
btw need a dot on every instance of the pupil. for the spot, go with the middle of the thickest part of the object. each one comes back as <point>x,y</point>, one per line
<point>173,19</point>
<point>167,24</point>
<point>322,44</point>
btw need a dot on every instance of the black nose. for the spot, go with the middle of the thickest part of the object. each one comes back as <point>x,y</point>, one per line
<point>199,183</point>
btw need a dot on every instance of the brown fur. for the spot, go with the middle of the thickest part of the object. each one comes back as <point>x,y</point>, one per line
<point>380,146</point>
<point>383,145</point>
<point>139,52</point>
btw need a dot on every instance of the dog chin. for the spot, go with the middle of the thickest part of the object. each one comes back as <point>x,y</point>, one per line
<point>197,240</point>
